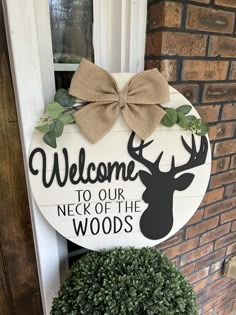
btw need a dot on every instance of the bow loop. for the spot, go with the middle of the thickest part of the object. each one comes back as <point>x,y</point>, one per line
<point>138,101</point>
<point>148,87</point>
<point>91,83</point>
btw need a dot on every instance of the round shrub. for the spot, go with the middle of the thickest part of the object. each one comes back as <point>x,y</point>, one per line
<point>125,281</point>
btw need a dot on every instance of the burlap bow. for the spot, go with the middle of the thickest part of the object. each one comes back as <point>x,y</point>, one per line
<point>138,101</point>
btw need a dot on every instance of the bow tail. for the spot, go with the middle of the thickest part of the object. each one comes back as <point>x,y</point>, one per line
<point>143,119</point>
<point>96,119</point>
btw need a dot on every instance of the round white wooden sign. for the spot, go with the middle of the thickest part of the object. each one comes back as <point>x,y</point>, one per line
<point>121,191</point>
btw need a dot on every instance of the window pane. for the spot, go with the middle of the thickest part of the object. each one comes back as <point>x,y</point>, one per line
<point>71,27</point>
<point>63,79</point>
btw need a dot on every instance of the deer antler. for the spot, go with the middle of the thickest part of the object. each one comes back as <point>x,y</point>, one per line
<point>197,158</point>
<point>139,156</point>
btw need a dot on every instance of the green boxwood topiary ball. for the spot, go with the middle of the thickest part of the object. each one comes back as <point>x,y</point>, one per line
<point>125,281</point>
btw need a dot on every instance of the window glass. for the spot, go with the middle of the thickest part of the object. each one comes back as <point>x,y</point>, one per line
<point>71,27</point>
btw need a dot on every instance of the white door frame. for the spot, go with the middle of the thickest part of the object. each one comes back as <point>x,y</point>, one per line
<point>31,58</point>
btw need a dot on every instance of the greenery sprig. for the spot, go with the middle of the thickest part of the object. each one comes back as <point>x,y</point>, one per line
<point>180,117</point>
<point>60,113</point>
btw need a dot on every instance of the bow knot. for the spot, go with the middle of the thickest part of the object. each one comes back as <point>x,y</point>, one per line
<point>122,98</point>
<point>138,101</point>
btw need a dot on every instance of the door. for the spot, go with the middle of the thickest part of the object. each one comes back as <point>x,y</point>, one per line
<point>118,46</point>
<point>19,285</point>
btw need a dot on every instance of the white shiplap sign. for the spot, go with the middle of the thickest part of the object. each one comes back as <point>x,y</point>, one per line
<point>120,191</point>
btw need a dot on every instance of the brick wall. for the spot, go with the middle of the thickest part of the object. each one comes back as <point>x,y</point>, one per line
<point>193,43</point>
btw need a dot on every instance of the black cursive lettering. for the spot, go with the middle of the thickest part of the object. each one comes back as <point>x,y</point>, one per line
<point>75,173</point>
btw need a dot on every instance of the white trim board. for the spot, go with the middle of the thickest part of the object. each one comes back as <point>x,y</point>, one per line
<point>119,34</point>
<point>30,81</point>
<point>70,67</point>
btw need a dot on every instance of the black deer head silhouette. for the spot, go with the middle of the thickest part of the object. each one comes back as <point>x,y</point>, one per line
<point>157,220</point>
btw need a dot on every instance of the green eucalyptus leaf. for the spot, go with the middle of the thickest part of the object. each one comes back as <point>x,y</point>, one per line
<point>67,118</point>
<point>180,116</point>
<point>43,128</point>
<point>64,98</point>
<point>57,128</point>
<point>183,122</point>
<point>54,110</point>
<point>185,109</point>
<point>204,129</point>
<point>191,117</point>
<point>50,139</point>
<point>170,117</point>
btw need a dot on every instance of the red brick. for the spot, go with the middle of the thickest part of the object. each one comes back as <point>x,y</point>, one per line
<point>222,304</point>
<point>227,309</point>
<point>234,307</point>
<point>233,162</point>
<point>226,3</point>
<point>233,228</point>
<point>209,113</point>
<point>173,240</point>
<point>228,216</point>
<point>165,14</point>
<point>196,254</point>
<point>214,234</point>
<point>225,301</point>
<point>222,130</point>
<point>225,148</point>
<point>190,91</point>
<point>218,92</point>
<point>216,266</point>
<point>187,270</point>
<point>212,148</point>
<point>231,249</point>
<point>203,1</point>
<point>220,312</point>
<point>154,44</point>
<point>180,44</point>
<point>220,165</point>
<point>217,285</point>
<point>201,227</point>
<point>182,248</point>
<point>204,70</point>
<point>209,297</point>
<point>200,284</point>
<point>166,67</point>
<point>209,259</point>
<point>228,239</point>
<point>230,190</point>
<point>213,196</point>
<point>223,46</point>
<point>229,112</point>
<point>198,215</point>
<point>199,296</point>
<point>222,179</point>
<point>210,20</point>
<point>229,288</point>
<point>232,75</point>
<point>198,275</point>
<point>215,276</point>
<point>214,302</point>
<point>220,207</point>
<point>218,308</point>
